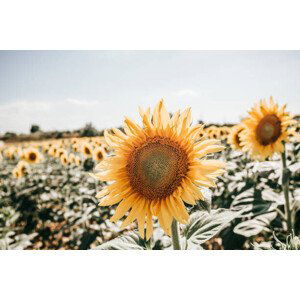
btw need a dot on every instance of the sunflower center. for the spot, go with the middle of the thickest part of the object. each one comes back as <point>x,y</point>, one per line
<point>100,156</point>
<point>157,167</point>
<point>268,130</point>
<point>32,156</point>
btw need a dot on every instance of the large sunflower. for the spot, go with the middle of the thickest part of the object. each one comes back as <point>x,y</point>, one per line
<point>157,168</point>
<point>266,128</point>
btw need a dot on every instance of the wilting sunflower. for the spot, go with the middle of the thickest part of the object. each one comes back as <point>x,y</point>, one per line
<point>32,155</point>
<point>234,139</point>
<point>98,154</point>
<point>157,168</point>
<point>266,128</point>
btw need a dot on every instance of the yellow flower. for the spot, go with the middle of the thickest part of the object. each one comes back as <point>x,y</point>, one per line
<point>60,152</point>
<point>71,158</point>
<point>32,155</point>
<point>16,173</point>
<point>86,149</point>
<point>52,151</point>
<point>157,168</point>
<point>266,128</point>
<point>77,161</point>
<point>98,153</point>
<point>234,139</point>
<point>64,159</point>
<point>21,168</point>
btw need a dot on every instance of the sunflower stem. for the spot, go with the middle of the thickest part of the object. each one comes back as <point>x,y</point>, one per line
<point>175,235</point>
<point>285,187</point>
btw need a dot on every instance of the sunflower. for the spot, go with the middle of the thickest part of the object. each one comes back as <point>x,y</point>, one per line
<point>157,168</point>
<point>17,173</point>
<point>234,139</point>
<point>86,149</point>
<point>23,167</point>
<point>266,128</point>
<point>71,158</point>
<point>32,155</point>
<point>64,159</point>
<point>52,151</point>
<point>60,152</point>
<point>98,153</point>
<point>78,161</point>
<point>10,152</point>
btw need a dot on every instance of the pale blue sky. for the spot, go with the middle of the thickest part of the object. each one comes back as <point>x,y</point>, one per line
<point>66,89</point>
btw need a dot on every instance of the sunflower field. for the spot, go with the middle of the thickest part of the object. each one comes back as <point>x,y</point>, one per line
<point>161,184</point>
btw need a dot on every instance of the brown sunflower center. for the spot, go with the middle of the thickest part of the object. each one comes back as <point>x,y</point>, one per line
<point>32,156</point>
<point>99,155</point>
<point>268,130</point>
<point>87,151</point>
<point>157,167</point>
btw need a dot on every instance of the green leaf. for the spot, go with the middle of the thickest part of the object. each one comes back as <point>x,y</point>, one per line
<point>130,241</point>
<point>251,203</point>
<point>255,226</point>
<point>203,226</point>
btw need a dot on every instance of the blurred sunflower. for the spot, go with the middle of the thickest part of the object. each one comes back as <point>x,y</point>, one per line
<point>60,152</point>
<point>266,128</point>
<point>157,168</point>
<point>86,149</point>
<point>21,168</point>
<point>98,154</point>
<point>71,158</point>
<point>16,173</point>
<point>234,139</point>
<point>52,151</point>
<point>64,159</point>
<point>32,155</point>
<point>78,161</point>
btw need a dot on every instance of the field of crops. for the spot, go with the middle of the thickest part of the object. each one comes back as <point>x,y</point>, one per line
<point>48,198</point>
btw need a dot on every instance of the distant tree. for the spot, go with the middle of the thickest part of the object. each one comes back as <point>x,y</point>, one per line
<point>34,128</point>
<point>89,130</point>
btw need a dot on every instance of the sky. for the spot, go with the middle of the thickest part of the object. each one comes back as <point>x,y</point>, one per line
<point>61,90</point>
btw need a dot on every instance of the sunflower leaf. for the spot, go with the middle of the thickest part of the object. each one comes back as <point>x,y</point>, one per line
<point>130,241</point>
<point>203,226</point>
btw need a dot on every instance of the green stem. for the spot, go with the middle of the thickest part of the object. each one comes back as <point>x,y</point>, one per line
<point>285,187</point>
<point>175,235</point>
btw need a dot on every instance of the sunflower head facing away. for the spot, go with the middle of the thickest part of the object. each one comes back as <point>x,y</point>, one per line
<point>157,168</point>
<point>234,139</point>
<point>266,128</point>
